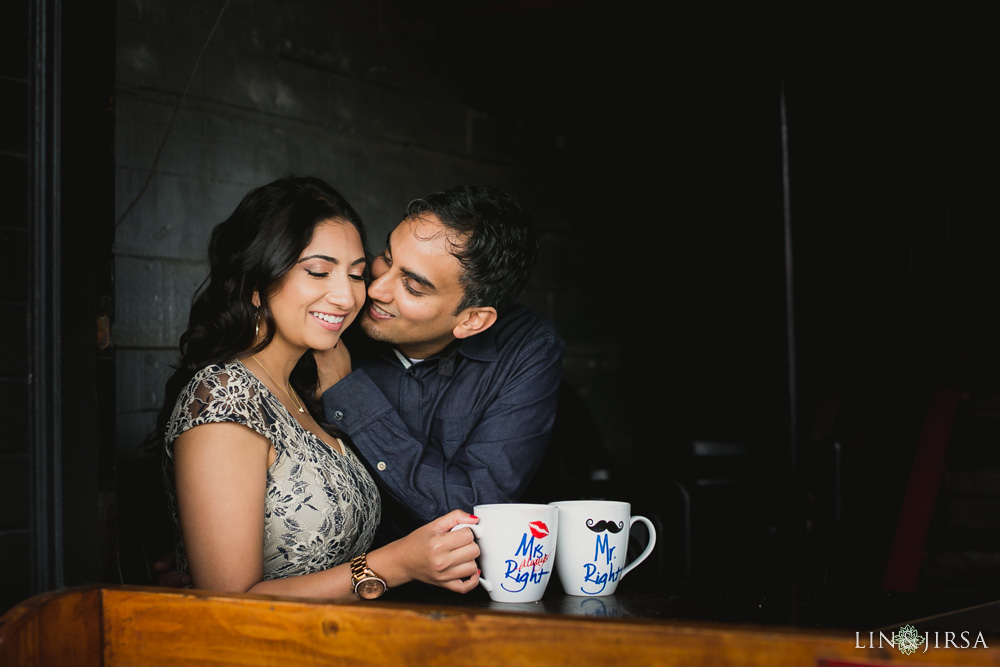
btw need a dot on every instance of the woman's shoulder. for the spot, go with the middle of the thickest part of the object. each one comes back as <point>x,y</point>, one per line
<point>223,392</point>
<point>225,373</point>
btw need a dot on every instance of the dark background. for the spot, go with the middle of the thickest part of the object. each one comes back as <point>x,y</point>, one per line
<point>814,346</point>
<point>799,297</point>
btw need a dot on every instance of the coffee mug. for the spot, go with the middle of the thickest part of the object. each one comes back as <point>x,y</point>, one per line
<point>517,544</point>
<point>593,543</point>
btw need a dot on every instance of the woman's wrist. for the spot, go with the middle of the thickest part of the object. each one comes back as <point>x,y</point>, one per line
<point>389,563</point>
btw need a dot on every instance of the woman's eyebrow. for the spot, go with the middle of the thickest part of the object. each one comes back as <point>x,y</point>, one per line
<point>332,260</point>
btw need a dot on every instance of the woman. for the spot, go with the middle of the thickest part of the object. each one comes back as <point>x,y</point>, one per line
<point>241,435</point>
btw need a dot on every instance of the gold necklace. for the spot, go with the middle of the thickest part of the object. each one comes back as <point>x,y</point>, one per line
<point>289,395</point>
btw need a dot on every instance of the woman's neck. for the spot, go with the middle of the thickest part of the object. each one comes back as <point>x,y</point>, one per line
<point>276,362</point>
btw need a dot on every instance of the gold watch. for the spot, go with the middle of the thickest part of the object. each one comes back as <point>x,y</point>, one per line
<point>367,584</point>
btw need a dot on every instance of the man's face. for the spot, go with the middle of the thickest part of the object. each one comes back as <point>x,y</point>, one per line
<point>415,289</point>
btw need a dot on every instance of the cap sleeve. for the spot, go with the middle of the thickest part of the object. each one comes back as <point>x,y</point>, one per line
<point>219,394</point>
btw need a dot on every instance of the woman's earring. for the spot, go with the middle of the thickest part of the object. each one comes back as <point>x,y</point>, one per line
<point>256,325</point>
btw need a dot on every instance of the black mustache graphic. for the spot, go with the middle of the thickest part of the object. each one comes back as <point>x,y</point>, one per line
<point>602,526</point>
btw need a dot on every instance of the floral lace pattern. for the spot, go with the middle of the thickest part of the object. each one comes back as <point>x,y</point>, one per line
<point>321,508</point>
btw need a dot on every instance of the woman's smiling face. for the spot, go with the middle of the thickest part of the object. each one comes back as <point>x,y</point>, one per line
<point>323,292</point>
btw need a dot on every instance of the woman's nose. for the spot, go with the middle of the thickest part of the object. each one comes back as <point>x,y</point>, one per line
<point>342,294</point>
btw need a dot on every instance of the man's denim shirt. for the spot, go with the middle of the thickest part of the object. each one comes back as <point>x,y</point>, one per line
<point>464,427</point>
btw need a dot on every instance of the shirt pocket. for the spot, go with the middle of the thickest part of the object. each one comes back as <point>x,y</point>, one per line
<point>449,435</point>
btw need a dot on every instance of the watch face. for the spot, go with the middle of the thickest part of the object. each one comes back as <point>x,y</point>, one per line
<point>369,589</point>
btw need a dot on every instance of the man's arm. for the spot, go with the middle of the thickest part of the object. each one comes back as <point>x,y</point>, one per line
<point>488,459</point>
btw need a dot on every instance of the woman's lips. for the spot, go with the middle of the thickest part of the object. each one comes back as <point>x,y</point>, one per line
<point>328,321</point>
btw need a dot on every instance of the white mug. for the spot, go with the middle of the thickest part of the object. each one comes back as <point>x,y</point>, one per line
<point>517,544</point>
<point>593,543</point>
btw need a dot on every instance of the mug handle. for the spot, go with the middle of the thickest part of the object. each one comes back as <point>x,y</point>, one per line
<point>649,547</point>
<point>477,531</point>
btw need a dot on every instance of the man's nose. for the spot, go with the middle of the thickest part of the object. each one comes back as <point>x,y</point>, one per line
<point>379,289</point>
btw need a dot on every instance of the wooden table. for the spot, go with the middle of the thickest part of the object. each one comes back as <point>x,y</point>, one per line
<point>122,625</point>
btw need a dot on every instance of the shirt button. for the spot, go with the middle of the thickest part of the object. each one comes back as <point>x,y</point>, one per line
<point>411,372</point>
<point>338,415</point>
<point>381,465</point>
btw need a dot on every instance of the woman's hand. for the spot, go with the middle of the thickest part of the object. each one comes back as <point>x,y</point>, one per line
<point>434,554</point>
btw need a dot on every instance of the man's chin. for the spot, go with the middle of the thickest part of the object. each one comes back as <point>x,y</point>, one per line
<point>372,329</point>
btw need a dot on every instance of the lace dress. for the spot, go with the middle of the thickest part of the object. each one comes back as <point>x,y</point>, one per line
<point>321,508</point>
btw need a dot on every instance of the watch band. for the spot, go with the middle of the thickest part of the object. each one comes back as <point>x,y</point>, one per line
<point>367,584</point>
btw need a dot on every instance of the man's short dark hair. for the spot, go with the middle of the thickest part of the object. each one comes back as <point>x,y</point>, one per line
<point>492,236</point>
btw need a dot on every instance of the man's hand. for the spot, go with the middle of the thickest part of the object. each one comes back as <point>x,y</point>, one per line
<point>332,366</point>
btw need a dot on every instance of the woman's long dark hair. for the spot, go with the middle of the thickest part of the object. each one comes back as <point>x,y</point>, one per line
<point>251,251</point>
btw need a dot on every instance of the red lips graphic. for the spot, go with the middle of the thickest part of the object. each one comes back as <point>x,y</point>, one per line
<point>539,529</point>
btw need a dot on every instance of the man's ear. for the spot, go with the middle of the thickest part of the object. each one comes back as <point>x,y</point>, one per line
<point>475,320</point>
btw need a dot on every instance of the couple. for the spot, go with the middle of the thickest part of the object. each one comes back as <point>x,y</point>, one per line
<point>448,401</point>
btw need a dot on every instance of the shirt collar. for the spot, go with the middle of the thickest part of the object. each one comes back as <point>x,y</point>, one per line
<point>481,347</point>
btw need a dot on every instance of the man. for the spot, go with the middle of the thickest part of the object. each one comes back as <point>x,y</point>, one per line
<point>453,394</point>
